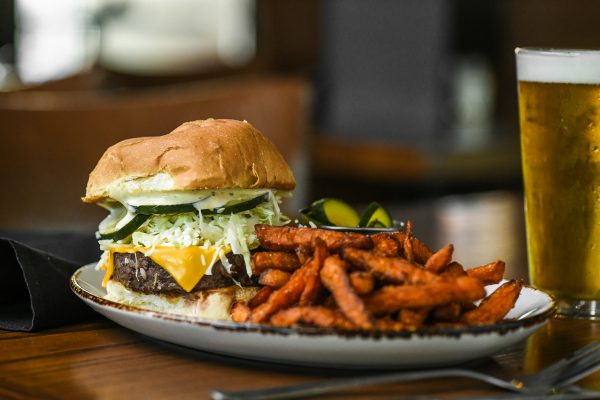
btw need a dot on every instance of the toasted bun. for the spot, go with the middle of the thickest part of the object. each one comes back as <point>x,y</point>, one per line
<point>212,304</point>
<point>198,155</point>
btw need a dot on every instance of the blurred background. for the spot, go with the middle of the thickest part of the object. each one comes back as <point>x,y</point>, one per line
<point>395,101</point>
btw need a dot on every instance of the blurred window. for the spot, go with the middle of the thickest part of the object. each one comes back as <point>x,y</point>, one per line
<point>155,37</point>
<point>51,39</point>
<point>58,38</point>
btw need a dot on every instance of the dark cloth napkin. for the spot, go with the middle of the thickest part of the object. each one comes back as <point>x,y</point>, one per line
<point>34,285</point>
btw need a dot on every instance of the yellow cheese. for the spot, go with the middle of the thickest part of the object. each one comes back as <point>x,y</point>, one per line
<point>186,265</point>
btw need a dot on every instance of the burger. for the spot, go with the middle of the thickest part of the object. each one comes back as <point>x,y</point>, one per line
<point>182,209</point>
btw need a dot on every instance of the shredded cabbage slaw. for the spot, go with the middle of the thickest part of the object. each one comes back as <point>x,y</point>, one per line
<point>233,231</point>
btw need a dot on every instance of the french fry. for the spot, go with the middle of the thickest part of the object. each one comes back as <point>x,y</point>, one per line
<point>274,278</point>
<point>394,270</point>
<point>409,252</point>
<point>281,298</point>
<point>288,317</point>
<point>289,238</point>
<point>240,312</point>
<point>388,324</point>
<point>488,274</point>
<point>451,312</point>
<point>320,316</point>
<point>313,279</point>
<point>264,260</point>
<point>260,297</point>
<point>390,299</point>
<point>440,259</point>
<point>453,270</point>
<point>385,281</point>
<point>413,317</point>
<point>494,307</point>
<point>362,282</point>
<point>420,251</point>
<point>303,255</point>
<point>334,277</point>
<point>448,313</point>
<point>385,245</point>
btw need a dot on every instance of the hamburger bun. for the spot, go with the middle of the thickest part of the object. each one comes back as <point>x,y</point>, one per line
<point>212,304</point>
<point>197,155</point>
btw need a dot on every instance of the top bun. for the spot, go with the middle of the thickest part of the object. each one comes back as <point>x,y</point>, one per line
<point>198,155</point>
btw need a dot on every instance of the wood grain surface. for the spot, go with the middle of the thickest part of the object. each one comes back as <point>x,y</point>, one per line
<point>101,360</point>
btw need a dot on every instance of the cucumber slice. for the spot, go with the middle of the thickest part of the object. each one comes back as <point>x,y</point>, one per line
<point>334,212</point>
<point>117,213</point>
<point>166,209</point>
<point>375,216</point>
<point>134,222</point>
<point>229,208</point>
<point>233,208</point>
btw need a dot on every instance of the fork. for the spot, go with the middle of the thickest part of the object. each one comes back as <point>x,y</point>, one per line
<point>551,379</point>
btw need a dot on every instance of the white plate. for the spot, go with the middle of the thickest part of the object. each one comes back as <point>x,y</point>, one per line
<point>322,347</point>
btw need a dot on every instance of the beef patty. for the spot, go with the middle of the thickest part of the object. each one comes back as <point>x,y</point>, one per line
<point>140,273</point>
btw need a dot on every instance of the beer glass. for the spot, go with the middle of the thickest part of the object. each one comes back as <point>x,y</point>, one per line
<point>559,112</point>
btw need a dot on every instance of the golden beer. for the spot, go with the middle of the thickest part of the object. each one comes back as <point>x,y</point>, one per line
<point>560,145</point>
<point>560,142</point>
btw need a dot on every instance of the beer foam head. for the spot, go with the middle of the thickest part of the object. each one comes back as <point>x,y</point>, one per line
<point>558,66</point>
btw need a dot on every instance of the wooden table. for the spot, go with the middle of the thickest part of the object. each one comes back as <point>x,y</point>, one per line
<point>98,359</point>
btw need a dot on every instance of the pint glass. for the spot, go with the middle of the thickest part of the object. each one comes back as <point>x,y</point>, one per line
<point>559,112</point>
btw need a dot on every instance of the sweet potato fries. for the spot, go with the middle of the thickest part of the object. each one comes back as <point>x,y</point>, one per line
<point>385,281</point>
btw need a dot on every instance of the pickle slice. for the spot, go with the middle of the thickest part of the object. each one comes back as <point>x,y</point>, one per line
<point>375,216</point>
<point>125,230</point>
<point>336,212</point>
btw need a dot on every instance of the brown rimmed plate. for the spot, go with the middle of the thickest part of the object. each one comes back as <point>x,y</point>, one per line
<point>324,347</point>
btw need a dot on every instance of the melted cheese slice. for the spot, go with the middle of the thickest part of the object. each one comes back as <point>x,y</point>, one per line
<point>186,265</point>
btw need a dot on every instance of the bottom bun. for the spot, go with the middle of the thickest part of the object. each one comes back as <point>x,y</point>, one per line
<point>210,304</point>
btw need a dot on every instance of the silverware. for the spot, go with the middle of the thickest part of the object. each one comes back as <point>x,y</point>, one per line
<point>558,376</point>
<point>576,393</point>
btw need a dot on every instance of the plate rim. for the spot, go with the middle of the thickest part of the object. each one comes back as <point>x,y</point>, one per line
<point>501,328</point>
